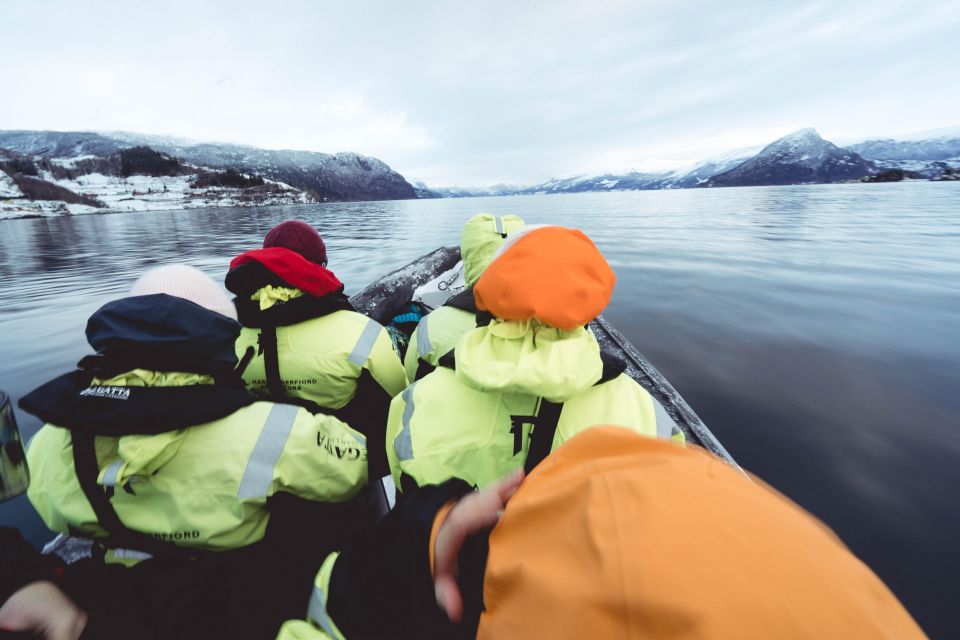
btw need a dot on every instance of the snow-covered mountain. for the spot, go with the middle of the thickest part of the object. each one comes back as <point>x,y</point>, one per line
<point>686,177</point>
<point>333,177</point>
<point>133,179</point>
<point>947,148</point>
<point>9,188</point>
<point>801,157</point>
<point>701,172</point>
<point>798,158</point>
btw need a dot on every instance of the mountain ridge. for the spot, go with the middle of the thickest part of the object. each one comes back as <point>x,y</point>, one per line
<point>937,158</point>
<point>330,177</point>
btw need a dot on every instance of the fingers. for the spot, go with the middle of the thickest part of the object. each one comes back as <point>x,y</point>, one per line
<point>448,597</point>
<point>482,509</point>
<point>41,608</point>
<point>508,486</point>
<point>472,514</point>
<point>67,626</point>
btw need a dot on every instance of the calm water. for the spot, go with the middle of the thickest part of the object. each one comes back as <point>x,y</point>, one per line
<point>815,329</point>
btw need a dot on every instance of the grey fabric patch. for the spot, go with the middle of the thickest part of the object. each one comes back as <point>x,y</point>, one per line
<point>361,351</point>
<point>273,438</point>
<point>317,612</point>
<point>665,424</point>
<point>403,444</point>
<point>110,477</point>
<point>423,337</point>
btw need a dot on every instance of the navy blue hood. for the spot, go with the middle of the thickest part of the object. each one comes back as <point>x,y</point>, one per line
<point>161,333</point>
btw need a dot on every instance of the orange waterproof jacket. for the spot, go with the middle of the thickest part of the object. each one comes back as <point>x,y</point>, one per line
<point>620,536</point>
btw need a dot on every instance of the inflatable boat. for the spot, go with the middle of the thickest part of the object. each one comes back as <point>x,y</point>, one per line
<point>382,299</point>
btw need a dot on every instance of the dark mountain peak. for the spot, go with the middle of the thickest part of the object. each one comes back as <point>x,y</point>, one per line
<point>807,134</point>
<point>801,142</point>
<point>797,158</point>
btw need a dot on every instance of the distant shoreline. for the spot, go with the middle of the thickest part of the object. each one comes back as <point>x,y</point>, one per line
<point>22,214</point>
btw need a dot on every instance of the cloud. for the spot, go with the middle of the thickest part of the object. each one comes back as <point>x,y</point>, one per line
<point>492,92</point>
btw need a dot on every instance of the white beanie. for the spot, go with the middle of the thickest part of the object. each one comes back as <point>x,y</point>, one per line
<point>189,283</point>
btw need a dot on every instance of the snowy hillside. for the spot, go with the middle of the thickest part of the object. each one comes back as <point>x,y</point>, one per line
<point>931,154</point>
<point>340,176</point>
<point>9,188</point>
<point>325,177</point>
<point>134,179</point>
<point>701,172</point>
<point>798,158</point>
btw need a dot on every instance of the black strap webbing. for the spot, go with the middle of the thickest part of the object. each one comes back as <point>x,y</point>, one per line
<point>541,440</point>
<point>484,318</point>
<point>271,362</point>
<point>85,463</point>
<point>448,360</point>
<point>245,360</point>
<point>424,369</point>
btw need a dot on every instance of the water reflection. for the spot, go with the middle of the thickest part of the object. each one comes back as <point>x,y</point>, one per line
<point>813,328</point>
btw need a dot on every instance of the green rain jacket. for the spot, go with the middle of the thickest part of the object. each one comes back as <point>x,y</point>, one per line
<point>474,422</point>
<point>204,486</point>
<point>439,331</point>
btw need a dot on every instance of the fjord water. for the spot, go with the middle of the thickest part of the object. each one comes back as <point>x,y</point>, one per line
<point>815,329</point>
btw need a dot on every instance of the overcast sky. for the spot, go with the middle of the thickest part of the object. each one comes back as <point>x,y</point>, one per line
<point>477,93</point>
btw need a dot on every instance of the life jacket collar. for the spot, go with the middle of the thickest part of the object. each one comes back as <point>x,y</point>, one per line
<point>289,267</point>
<point>296,288</point>
<point>529,358</point>
<point>159,332</point>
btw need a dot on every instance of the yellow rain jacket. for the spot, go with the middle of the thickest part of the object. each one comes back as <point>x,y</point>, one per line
<point>302,341</point>
<point>475,421</point>
<point>438,332</point>
<point>321,359</point>
<point>204,486</point>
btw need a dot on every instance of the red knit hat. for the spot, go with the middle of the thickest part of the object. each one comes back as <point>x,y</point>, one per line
<point>298,236</point>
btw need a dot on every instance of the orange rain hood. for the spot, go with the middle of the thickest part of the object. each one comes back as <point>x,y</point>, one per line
<point>552,274</point>
<point>619,536</point>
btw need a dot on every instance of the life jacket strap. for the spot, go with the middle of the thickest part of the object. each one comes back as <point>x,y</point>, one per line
<point>271,362</point>
<point>87,469</point>
<point>541,440</point>
<point>424,369</point>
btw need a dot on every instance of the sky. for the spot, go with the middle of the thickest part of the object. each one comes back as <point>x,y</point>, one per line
<point>474,94</point>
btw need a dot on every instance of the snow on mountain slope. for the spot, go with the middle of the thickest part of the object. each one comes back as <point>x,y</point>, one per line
<point>336,177</point>
<point>9,188</point>
<point>798,158</point>
<point>699,173</point>
<point>339,176</point>
<point>155,193</point>
<point>943,148</point>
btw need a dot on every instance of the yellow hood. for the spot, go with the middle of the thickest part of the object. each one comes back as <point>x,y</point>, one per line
<point>482,235</point>
<point>529,358</point>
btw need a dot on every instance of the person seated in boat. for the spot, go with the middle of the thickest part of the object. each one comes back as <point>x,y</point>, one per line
<point>529,379</point>
<point>155,448</point>
<point>302,341</point>
<point>438,331</point>
<point>614,535</point>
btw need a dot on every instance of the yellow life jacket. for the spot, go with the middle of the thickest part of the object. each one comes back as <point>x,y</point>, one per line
<point>204,486</point>
<point>321,359</point>
<point>475,421</point>
<point>435,336</point>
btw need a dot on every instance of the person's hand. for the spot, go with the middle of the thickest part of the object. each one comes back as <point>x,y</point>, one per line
<point>471,514</point>
<point>42,609</point>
